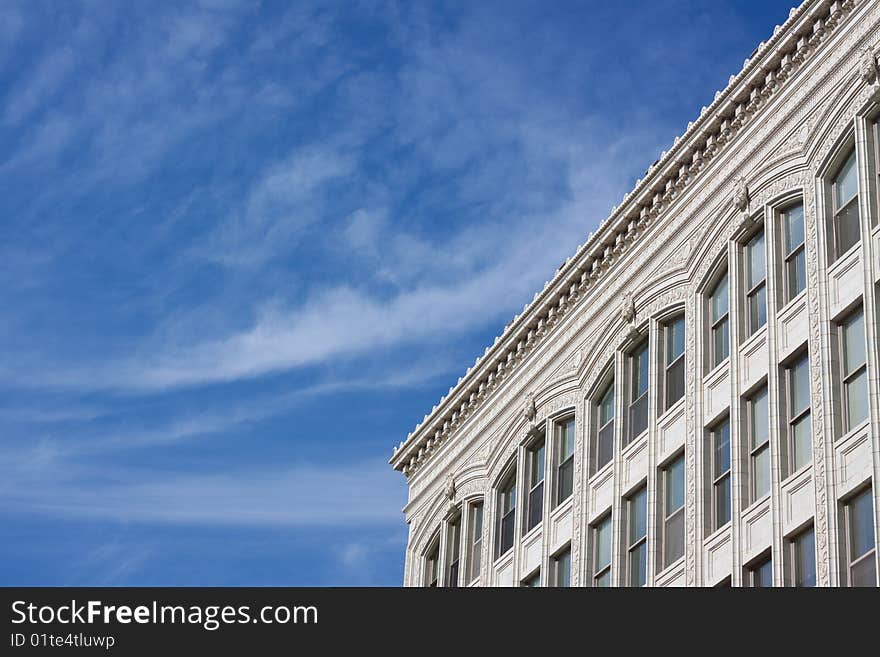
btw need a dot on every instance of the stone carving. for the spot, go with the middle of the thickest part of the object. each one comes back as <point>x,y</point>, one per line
<point>628,309</point>
<point>741,195</point>
<point>529,409</point>
<point>868,67</point>
<point>449,488</point>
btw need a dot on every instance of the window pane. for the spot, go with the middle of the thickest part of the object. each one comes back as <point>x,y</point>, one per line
<point>760,426</point>
<point>536,506</point>
<point>797,274</point>
<point>800,386</point>
<point>675,383</point>
<point>802,442</point>
<point>805,559</point>
<point>638,516</point>
<point>674,538</point>
<point>854,342</point>
<point>604,580</point>
<point>762,575</point>
<point>719,300</point>
<point>861,525</point>
<point>638,417</point>
<point>721,440</point>
<point>563,569</point>
<point>722,502</point>
<point>606,405</point>
<point>794,227</point>
<point>606,444</point>
<point>640,372</point>
<point>757,309</point>
<point>862,573</point>
<point>721,342</point>
<point>566,477</point>
<point>566,439</point>
<point>603,544</point>
<point>674,340</point>
<point>761,464</point>
<point>846,184</point>
<point>638,565</point>
<point>847,227</point>
<point>536,460</point>
<point>506,532</point>
<point>674,486</point>
<point>756,264</point>
<point>857,399</point>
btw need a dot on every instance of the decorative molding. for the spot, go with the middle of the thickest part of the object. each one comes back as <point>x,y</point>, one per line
<point>868,67</point>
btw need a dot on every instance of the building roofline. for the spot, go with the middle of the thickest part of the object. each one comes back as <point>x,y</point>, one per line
<point>762,74</point>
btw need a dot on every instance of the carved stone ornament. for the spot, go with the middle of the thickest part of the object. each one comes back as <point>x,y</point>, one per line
<point>530,411</point>
<point>628,309</point>
<point>868,66</point>
<point>741,195</point>
<point>449,488</point>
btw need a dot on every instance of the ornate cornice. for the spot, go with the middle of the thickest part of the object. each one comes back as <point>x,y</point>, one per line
<point>763,75</point>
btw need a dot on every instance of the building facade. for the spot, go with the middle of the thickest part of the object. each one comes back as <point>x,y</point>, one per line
<point>693,400</point>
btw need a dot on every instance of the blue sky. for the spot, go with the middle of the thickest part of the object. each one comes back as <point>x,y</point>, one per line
<point>246,246</point>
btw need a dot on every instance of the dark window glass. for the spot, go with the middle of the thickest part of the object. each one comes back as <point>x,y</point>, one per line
<point>761,574</point>
<point>605,437</point>
<point>756,283</point>
<point>535,511</point>
<point>855,375</point>
<point>721,474</point>
<point>562,569</point>
<point>476,542</point>
<point>860,539</point>
<point>795,254</point>
<point>846,207</point>
<point>720,330</point>
<point>637,551</point>
<point>759,444</point>
<point>800,432</point>
<point>565,455</point>
<point>674,383</point>
<point>673,511</point>
<point>804,558</point>
<point>638,407</point>
<point>507,515</point>
<point>602,553</point>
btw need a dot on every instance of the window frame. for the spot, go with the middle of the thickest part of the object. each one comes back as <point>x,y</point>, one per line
<point>506,491</point>
<point>836,212</point>
<point>794,556</point>
<point>633,357</point>
<point>637,542</point>
<point>755,451</point>
<point>848,535</point>
<point>555,560</point>
<point>475,541</point>
<point>753,568</point>
<point>431,565</point>
<point>599,571</point>
<point>532,580</point>
<point>667,333</point>
<point>721,322</point>
<point>669,515</point>
<point>607,428</point>
<point>716,479</point>
<point>848,377</point>
<point>535,488</point>
<point>789,257</point>
<point>793,416</point>
<point>564,470</point>
<point>752,291</point>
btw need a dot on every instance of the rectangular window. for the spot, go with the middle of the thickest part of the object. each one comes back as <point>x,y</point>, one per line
<point>604,438</point>
<point>720,468</point>
<point>719,306</point>
<point>638,391</point>
<point>562,568</point>
<point>673,511</point>
<point>760,574</point>
<point>799,428</point>
<point>803,558</point>
<point>453,551</point>
<point>506,514</point>
<point>756,284</point>
<point>432,564</point>
<point>602,553</point>
<point>795,279</point>
<point>759,444</point>
<point>565,459</point>
<point>535,481</point>
<point>476,539</point>
<point>845,207</point>
<point>854,374</point>
<point>533,581</point>
<point>637,534</point>
<point>673,362</point>
<point>860,548</point>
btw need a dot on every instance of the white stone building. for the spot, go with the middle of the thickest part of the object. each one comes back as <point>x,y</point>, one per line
<point>693,399</point>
